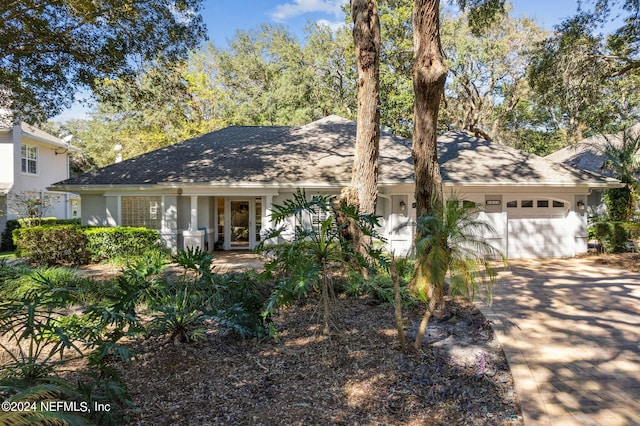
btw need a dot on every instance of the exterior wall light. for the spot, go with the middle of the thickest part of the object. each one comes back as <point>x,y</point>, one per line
<point>580,205</point>
<point>403,205</point>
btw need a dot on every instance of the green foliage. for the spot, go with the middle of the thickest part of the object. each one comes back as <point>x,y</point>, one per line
<point>179,317</point>
<point>185,309</point>
<point>38,339</point>
<point>7,235</point>
<point>308,257</point>
<point>18,280</point>
<point>75,43</point>
<point>31,327</point>
<point>612,235</point>
<point>487,80</point>
<point>124,243</point>
<point>618,201</point>
<point>589,79</point>
<point>451,244</point>
<point>52,245</point>
<point>621,160</point>
<point>13,224</point>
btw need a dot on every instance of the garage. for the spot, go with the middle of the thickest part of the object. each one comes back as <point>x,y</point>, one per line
<point>542,227</point>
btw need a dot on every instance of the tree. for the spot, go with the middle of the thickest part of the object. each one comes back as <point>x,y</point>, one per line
<point>49,49</point>
<point>622,160</point>
<point>488,75</point>
<point>451,243</point>
<point>589,80</point>
<point>396,60</point>
<point>429,77</point>
<point>363,191</point>
<point>29,205</point>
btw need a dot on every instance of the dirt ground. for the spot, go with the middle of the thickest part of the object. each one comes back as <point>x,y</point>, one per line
<point>356,377</point>
<point>628,261</point>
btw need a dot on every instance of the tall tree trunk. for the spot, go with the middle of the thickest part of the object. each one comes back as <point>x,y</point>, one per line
<point>366,37</point>
<point>429,75</point>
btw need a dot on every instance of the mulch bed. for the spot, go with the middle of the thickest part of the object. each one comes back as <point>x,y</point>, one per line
<point>356,377</point>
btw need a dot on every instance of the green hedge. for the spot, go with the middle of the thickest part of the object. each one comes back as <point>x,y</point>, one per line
<point>612,235</point>
<point>109,243</point>
<point>52,245</point>
<point>76,245</point>
<point>7,243</point>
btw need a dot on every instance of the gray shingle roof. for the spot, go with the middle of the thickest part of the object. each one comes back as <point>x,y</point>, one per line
<point>585,156</point>
<point>322,152</point>
<point>465,159</point>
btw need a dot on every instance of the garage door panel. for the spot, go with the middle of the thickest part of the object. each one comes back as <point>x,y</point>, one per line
<point>540,237</point>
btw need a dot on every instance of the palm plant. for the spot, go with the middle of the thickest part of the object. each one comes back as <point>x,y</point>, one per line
<point>451,245</point>
<point>622,160</point>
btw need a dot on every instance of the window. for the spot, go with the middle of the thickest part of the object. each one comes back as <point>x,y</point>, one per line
<point>526,203</point>
<point>29,159</point>
<point>558,203</point>
<point>542,203</point>
<point>512,204</point>
<point>142,211</point>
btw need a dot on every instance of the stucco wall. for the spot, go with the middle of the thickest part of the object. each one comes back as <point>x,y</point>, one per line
<point>94,209</point>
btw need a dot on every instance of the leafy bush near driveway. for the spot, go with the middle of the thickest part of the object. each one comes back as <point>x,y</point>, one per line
<point>612,235</point>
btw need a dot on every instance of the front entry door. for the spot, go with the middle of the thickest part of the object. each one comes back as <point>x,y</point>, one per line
<point>245,219</point>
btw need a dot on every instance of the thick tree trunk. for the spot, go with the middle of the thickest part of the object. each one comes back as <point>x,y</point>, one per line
<point>429,75</point>
<point>364,180</point>
<point>366,37</point>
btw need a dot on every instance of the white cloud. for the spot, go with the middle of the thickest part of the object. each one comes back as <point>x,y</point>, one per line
<point>333,25</point>
<point>300,7</point>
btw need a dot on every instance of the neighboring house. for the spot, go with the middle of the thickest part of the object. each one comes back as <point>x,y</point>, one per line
<point>30,161</point>
<point>585,155</point>
<point>221,187</point>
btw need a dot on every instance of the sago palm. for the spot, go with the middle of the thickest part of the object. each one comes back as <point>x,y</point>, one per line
<point>451,244</point>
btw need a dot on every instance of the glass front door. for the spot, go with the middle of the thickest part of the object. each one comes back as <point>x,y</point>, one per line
<point>240,224</point>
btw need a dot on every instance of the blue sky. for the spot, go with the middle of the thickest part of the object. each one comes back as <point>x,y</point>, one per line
<point>223,18</point>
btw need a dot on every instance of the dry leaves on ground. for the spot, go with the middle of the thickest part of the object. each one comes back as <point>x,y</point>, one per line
<point>356,377</point>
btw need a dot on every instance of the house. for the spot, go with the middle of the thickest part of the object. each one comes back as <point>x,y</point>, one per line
<point>587,155</point>
<point>30,161</point>
<point>221,187</point>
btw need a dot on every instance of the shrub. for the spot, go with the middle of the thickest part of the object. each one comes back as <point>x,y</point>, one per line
<point>52,245</point>
<point>612,235</point>
<point>121,242</point>
<point>7,243</point>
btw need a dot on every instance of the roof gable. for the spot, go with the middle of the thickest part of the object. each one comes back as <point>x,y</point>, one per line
<point>584,155</point>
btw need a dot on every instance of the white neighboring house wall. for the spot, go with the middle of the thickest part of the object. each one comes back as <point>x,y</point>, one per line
<point>47,163</point>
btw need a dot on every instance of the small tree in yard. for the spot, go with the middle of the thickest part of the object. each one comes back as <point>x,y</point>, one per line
<point>623,162</point>
<point>451,245</point>
<point>27,205</point>
<point>316,249</point>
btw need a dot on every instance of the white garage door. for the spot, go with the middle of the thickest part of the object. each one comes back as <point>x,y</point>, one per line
<point>540,237</point>
<point>539,226</point>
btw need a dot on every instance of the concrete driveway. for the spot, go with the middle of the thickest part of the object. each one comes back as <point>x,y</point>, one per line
<point>571,331</point>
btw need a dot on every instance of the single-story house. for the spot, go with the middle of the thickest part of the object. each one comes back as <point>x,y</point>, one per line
<point>587,155</point>
<point>220,188</point>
